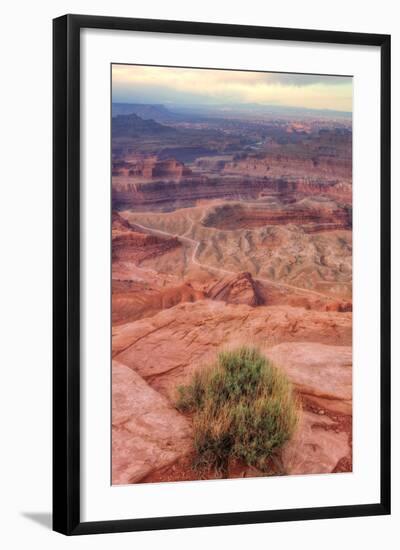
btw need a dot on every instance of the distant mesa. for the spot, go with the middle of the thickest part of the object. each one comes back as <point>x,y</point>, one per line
<point>157,112</point>
<point>320,163</point>
<point>132,126</point>
<point>168,168</point>
<point>237,289</point>
<point>151,167</point>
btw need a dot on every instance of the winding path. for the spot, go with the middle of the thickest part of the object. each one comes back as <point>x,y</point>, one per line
<point>220,269</point>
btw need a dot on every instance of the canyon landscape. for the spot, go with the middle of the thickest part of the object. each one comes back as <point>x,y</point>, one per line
<point>231,244</point>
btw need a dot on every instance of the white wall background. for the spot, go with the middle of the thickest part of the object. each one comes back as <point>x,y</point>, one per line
<point>25,289</point>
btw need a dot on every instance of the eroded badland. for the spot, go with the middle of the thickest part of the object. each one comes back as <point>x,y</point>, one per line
<point>229,230</point>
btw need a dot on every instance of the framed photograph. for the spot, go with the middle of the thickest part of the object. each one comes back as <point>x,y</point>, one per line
<point>221,274</point>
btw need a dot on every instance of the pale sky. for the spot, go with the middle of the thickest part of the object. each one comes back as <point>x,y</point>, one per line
<point>170,85</point>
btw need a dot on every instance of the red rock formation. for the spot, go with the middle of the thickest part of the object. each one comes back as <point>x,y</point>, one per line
<point>165,350</point>
<point>341,190</point>
<point>170,169</point>
<point>149,168</point>
<point>339,305</point>
<point>119,223</point>
<point>294,181</point>
<point>320,372</point>
<point>188,335</point>
<point>132,301</point>
<point>237,289</point>
<point>317,447</point>
<point>147,432</point>
<point>189,190</point>
<point>312,219</point>
<point>132,244</point>
<point>166,194</point>
<point>299,165</point>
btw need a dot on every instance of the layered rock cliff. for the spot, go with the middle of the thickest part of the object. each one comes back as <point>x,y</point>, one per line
<point>314,219</point>
<point>168,195</point>
<point>129,243</point>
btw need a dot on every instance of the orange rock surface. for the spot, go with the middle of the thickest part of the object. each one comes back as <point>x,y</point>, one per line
<point>229,231</point>
<point>147,432</point>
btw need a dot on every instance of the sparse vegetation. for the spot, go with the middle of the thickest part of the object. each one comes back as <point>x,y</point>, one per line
<point>243,408</point>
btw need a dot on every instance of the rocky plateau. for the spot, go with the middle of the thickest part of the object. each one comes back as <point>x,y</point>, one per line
<point>229,232</point>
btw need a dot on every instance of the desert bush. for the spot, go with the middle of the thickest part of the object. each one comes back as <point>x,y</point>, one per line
<point>243,407</point>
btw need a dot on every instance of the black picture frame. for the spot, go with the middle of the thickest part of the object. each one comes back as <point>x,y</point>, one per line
<point>66,273</point>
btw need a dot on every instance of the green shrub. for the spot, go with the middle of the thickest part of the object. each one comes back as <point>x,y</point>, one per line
<point>243,408</point>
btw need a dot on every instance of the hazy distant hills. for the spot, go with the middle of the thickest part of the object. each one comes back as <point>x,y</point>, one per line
<point>252,110</point>
<point>194,113</point>
<point>132,126</point>
<point>226,132</point>
<point>156,112</point>
<point>183,144</point>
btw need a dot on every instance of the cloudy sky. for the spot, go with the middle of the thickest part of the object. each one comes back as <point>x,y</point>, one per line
<point>170,85</point>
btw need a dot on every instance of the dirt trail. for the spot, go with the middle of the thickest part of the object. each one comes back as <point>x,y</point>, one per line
<point>220,270</point>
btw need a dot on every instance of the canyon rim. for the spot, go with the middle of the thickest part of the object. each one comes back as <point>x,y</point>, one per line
<point>231,231</point>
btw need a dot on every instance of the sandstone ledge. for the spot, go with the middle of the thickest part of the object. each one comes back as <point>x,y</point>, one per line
<point>147,432</point>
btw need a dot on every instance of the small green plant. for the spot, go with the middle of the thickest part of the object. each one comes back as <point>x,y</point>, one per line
<point>243,407</point>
